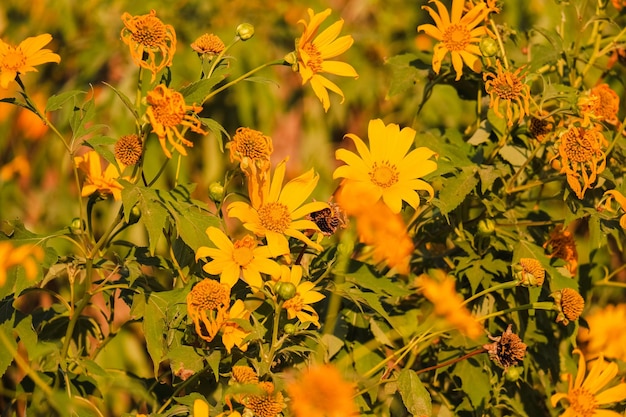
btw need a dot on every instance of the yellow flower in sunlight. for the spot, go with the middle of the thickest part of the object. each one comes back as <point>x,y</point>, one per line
<point>167,111</point>
<point>582,155</point>
<point>99,180</point>
<point>240,259</point>
<point>252,149</point>
<point>279,213</point>
<point>200,408</point>
<point>207,303</point>
<point>28,257</point>
<point>321,391</point>
<point>600,103</point>
<point>606,333</point>
<point>147,36</point>
<point>299,305</point>
<point>620,199</point>
<point>232,333</point>
<point>267,404</point>
<point>208,44</point>
<point>457,33</point>
<point>385,170</point>
<point>585,395</point>
<point>313,52</point>
<point>562,245</point>
<point>24,57</point>
<point>441,292</point>
<point>509,87</point>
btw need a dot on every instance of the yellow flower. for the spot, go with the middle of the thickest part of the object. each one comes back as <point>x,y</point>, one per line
<point>209,45</point>
<point>267,404</point>
<point>147,36</point>
<point>562,245</point>
<point>457,33</point>
<point>313,52</point>
<point>27,256</point>
<point>207,303</point>
<point>299,305</point>
<point>99,180</point>
<point>569,303</point>
<point>584,394</point>
<point>385,169</point>
<point>243,258</point>
<point>621,200</point>
<point>252,149</point>
<point>600,103</point>
<point>448,303</point>
<point>582,155</point>
<point>321,391</point>
<point>509,87</point>
<point>24,58</point>
<point>531,272</point>
<point>232,333</point>
<point>279,213</point>
<point>19,166</point>
<point>166,111</point>
<point>606,333</point>
<point>200,408</point>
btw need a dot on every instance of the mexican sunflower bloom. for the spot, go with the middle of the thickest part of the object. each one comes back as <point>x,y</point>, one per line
<point>267,404</point>
<point>607,332</point>
<point>207,305</point>
<point>582,155</point>
<point>313,52</point>
<point>280,212</point>
<point>167,111</point>
<point>385,170</point>
<point>28,257</point>
<point>24,57</point>
<point>242,258</point>
<point>299,305</point>
<point>508,87</point>
<point>457,33</point>
<point>152,43</point>
<point>98,179</point>
<point>600,103</point>
<point>321,391</point>
<point>232,333</point>
<point>585,395</point>
<point>620,199</point>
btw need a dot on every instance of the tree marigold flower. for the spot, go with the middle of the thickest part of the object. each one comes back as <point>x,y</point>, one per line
<point>279,212</point>
<point>207,303</point>
<point>240,259</point>
<point>531,272</point>
<point>251,148</point>
<point>99,180</point>
<point>298,306</point>
<point>569,303</point>
<point>166,111</point>
<point>313,52</point>
<point>620,199</point>
<point>600,103</point>
<point>385,170</point>
<point>607,332</point>
<point>541,125</point>
<point>208,45</point>
<point>24,57</point>
<point>582,155</point>
<point>321,391</point>
<point>147,36</point>
<point>128,149</point>
<point>507,349</point>
<point>244,374</point>
<point>509,87</point>
<point>457,33</point>
<point>585,395</point>
<point>268,404</point>
<point>232,333</point>
<point>27,256</point>
<point>562,245</point>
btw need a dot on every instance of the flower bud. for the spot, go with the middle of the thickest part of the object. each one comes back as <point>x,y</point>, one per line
<point>245,31</point>
<point>286,291</point>
<point>486,227</point>
<point>216,191</point>
<point>289,328</point>
<point>488,46</point>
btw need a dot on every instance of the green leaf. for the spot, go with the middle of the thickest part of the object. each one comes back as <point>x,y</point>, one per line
<point>455,189</point>
<point>414,395</point>
<point>403,74</point>
<point>153,213</point>
<point>56,102</point>
<point>7,344</point>
<point>217,129</point>
<point>475,382</point>
<point>365,278</point>
<point>129,105</point>
<point>154,329</point>
<point>191,224</point>
<point>196,92</point>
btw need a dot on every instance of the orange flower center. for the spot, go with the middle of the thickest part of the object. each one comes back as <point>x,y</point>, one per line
<point>315,58</point>
<point>456,37</point>
<point>169,111</point>
<point>384,175</point>
<point>578,144</point>
<point>295,303</point>
<point>275,217</point>
<point>13,61</point>
<point>150,32</point>
<point>582,402</point>
<point>252,144</point>
<point>209,294</point>
<point>243,252</point>
<point>507,86</point>
<point>208,44</point>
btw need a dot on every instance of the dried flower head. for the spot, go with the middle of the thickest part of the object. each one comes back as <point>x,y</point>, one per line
<point>147,36</point>
<point>207,303</point>
<point>268,404</point>
<point>244,375</point>
<point>562,245</point>
<point>24,57</point>
<point>128,149</point>
<point>531,272</point>
<point>507,349</point>
<point>208,45</point>
<point>541,125</point>
<point>569,303</point>
<point>509,87</point>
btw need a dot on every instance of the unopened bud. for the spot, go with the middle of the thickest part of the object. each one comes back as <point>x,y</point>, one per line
<point>216,192</point>
<point>245,31</point>
<point>488,47</point>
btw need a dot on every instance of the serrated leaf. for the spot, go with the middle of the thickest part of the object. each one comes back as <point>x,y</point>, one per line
<point>56,102</point>
<point>154,329</point>
<point>217,129</point>
<point>7,344</point>
<point>364,278</point>
<point>196,92</point>
<point>455,189</point>
<point>414,395</point>
<point>403,74</point>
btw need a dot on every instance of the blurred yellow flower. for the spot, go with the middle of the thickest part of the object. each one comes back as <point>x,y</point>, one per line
<point>147,36</point>
<point>313,52</point>
<point>232,333</point>
<point>167,111</point>
<point>600,103</point>
<point>606,333</point>
<point>207,303</point>
<point>25,57</point>
<point>279,213</point>
<point>457,33</point>
<point>99,180</point>
<point>299,305</point>
<point>385,170</point>
<point>562,245</point>
<point>241,259</point>
<point>441,292</point>
<point>582,155</point>
<point>620,199</point>
<point>584,394</point>
<point>321,391</point>
<point>19,166</point>
<point>200,408</point>
<point>509,87</point>
<point>27,256</point>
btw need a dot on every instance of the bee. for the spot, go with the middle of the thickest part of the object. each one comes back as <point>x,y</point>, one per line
<point>329,219</point>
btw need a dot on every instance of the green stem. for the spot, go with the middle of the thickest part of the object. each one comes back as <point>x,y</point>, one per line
<point>182,386</point>
<point>541,305</point>
<point>501,286</point>
<point>452,361</point>
<point>500,43</point>
<point>521,169</point>
<point>218,58</point>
